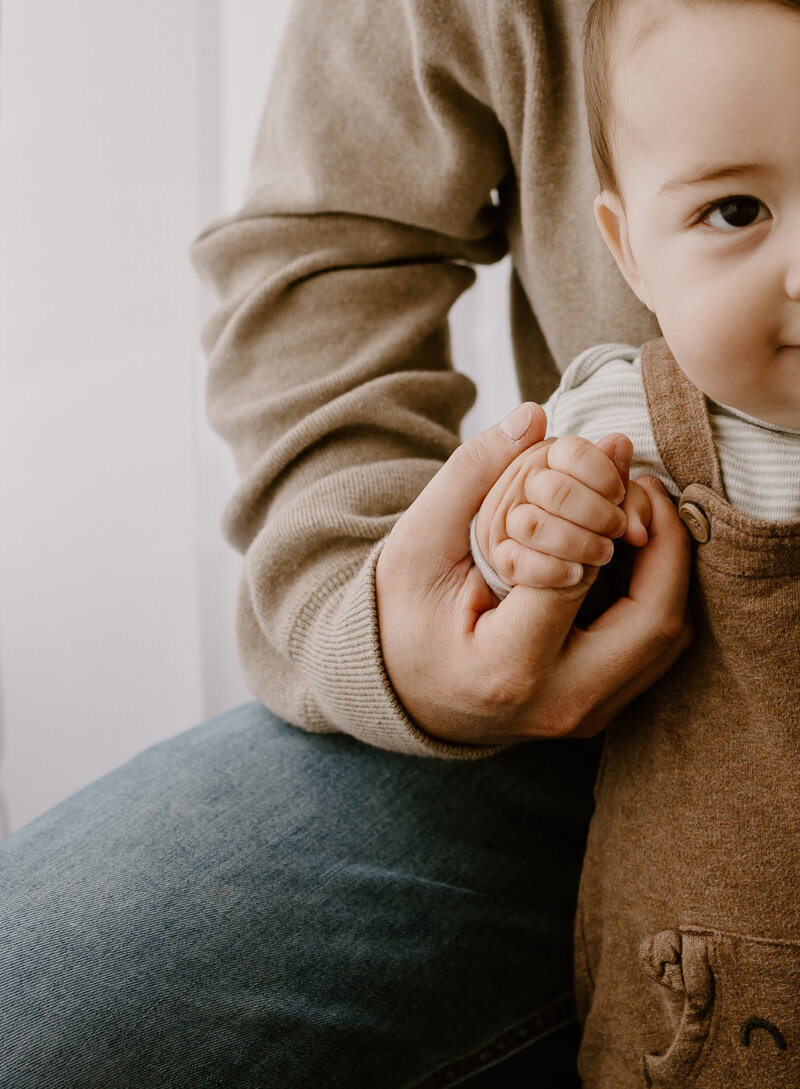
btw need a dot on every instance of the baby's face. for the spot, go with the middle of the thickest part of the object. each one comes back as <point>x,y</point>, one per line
<point>707,115</point>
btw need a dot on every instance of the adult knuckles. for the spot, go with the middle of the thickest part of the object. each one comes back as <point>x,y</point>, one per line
<point>506,687</point>
<point>668,629</point>
<point>527,704</point>
<point>553,720</point>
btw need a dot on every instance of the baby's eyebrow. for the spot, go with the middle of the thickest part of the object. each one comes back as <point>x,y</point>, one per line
<point>702,175</point>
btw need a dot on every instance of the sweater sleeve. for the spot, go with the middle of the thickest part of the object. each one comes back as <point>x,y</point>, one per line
<point>370,199</point>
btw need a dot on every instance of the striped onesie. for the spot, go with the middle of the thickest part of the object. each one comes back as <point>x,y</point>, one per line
<point>601,393</point>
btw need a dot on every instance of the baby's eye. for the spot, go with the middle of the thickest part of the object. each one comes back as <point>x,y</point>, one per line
<point>734,212</point>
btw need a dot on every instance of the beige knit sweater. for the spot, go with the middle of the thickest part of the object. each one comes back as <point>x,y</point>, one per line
<point>389,125</point>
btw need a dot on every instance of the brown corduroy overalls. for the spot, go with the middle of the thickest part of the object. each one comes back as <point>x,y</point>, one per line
<point>688,927</point>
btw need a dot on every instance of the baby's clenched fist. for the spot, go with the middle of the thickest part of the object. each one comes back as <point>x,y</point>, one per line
<point>556,512</point>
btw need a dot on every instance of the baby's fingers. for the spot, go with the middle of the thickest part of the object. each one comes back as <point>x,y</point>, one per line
<point>520,566</point>
<point>577,457</point>
<point>566,497</point>
<point>540,531</point>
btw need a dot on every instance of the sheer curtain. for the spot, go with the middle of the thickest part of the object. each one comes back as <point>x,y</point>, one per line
<point>124,129</point>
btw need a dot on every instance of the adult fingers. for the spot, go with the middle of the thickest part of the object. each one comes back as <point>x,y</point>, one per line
<point>600,715</point>
<point>643,629</point>
<point>631,645</point>
<point>531,626</point>
<point>637,511</point>
<point>591,675</point>
<point>440,517</point>
<point>660,577</point>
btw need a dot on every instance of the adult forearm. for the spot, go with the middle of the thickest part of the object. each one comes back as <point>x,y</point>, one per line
<point>330,374</point>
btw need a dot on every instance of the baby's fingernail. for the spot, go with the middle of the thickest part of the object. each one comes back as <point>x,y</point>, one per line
<point>622,457</point>
<point>574,574</point>
<point>516,422</point>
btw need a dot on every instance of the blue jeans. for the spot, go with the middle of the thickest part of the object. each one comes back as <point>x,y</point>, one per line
<point>249,906</point>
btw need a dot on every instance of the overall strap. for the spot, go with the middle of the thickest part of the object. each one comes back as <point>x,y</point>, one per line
<point>679,418</point>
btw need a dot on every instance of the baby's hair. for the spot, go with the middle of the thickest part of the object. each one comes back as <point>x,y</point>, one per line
<point>601,31</point>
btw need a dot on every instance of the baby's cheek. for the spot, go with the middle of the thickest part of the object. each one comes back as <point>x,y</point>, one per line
<point>705,357</point>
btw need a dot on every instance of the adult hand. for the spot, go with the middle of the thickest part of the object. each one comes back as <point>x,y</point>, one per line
<point>473,671</point>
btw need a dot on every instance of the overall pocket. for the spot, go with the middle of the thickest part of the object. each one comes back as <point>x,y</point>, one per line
<point>737,1003</point>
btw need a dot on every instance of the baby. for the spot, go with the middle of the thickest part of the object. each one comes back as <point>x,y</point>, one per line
<point>688,928</point>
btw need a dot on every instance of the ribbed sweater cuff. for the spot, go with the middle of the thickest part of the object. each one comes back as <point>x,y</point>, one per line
<point>361,694</point>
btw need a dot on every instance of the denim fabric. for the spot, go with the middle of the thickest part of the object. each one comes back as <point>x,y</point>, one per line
<point>247,905</point>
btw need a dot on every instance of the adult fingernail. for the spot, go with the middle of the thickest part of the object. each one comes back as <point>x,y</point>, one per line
<point>516,422</point>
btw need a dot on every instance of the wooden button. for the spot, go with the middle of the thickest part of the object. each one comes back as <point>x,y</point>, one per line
<point>696,521</point>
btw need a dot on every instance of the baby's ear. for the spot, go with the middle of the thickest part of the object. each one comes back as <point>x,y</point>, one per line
<point>613,223</point>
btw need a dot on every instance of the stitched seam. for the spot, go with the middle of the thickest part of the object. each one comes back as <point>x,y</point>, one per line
<point>524,1034</point>
<point>715,933</point>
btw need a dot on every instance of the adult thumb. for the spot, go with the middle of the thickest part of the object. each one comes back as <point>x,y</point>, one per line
<point>443,511</point>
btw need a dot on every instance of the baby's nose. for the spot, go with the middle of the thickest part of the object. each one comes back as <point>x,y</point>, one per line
<point>792,275</point>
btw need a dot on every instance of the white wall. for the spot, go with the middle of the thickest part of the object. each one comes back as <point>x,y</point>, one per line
<point>124,129</point>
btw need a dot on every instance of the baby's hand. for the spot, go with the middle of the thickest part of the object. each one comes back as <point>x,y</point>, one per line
<point>557,510</point>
